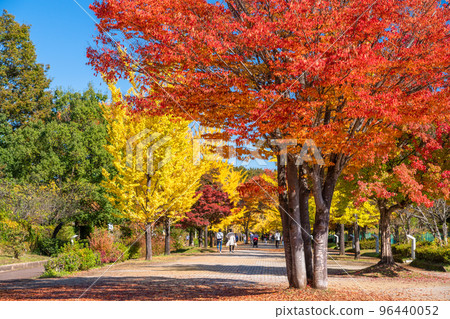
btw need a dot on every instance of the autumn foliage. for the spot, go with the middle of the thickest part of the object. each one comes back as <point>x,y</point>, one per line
<point>349,75</point>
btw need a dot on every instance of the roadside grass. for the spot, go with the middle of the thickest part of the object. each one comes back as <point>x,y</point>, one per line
<point>6,259</point>
<point>366,255</point>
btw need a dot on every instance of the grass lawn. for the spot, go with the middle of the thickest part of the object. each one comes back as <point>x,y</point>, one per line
<point>6,259</point>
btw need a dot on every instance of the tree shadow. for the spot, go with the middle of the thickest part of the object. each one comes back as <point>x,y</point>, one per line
<point>228,269</point>
<point>382,270</point>
<point>129,288</point>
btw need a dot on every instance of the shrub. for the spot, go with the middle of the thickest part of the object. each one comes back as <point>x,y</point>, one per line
<point>72,258</point>
<point>102,241</point>
<point>367,244</point>
<point>135,250</point>
<point>177,236</point>
<point>434,254</point>
<point>66,232</point>
<point>401,250</point>
<point>404,250</point>
<point>13,237</point>
<point>50,246</point>
<point>123,250</point>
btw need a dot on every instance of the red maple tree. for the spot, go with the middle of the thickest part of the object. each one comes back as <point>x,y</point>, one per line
<point>347,74</point>
<point>418,172</point>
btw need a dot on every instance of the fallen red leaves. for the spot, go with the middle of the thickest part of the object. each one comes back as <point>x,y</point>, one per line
<point>163,291</point>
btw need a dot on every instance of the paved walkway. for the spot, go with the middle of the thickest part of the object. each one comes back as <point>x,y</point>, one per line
<point>208,277</point>
<point>22,273</point>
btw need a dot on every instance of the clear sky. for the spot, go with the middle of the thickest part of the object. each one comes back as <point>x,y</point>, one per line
<point>61,31</point>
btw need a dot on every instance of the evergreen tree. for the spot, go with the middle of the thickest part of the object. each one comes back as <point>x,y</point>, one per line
<point>24,93</point>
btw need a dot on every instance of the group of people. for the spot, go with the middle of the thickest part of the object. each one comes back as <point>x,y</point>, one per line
<point>232,239</point>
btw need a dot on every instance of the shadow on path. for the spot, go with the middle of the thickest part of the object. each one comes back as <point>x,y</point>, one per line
<point>129,288</point>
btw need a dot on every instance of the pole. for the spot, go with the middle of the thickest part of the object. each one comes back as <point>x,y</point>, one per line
<point>413,246</point>
<point>377,243</point>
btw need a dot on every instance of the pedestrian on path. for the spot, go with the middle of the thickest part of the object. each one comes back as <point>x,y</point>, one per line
<point>277,238</point>
<point>219,237</point>
<point>255,240</point>
<point>231,240</point>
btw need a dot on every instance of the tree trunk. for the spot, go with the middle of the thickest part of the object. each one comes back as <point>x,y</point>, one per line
<point>397,233</point>
<point>357,246</point>
<point>295,230</point>
<point>211,240</point>
<point>445,232</point>
<point>321,248</point>
<point>323,195</point>
<point>206,237</point>
<point>304,222</point>
<point>283,209</point>
<point>200,237</point>
<point>148,241</point>
<point>385,235</point>
<point>342,239</point>
<point>167,237</point>
<point>57,229</point>
<point>364,232</point>
<point>191,238</point>
<point>148,227</point>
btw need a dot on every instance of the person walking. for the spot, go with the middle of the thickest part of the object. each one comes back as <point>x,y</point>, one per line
<point>277,238</point>
<point>231,240</point>
<point>219,237</point>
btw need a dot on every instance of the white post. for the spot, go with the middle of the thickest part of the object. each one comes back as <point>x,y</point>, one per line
<point>72,238</point>
<point>337,239</point>
<point>413,246</point>
<point>377,244</point>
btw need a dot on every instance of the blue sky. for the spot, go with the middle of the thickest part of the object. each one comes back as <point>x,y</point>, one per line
<point>61,31</point>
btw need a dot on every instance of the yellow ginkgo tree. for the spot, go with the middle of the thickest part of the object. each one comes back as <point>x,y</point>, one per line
<point>156,175</point>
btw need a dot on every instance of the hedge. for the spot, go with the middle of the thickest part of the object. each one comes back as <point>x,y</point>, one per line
<point>434,254</point>
<point>367,244</point>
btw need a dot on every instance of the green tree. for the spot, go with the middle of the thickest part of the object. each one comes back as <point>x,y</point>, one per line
<point>66,147</point>
<point>68,144</point>
<point>24,93</point>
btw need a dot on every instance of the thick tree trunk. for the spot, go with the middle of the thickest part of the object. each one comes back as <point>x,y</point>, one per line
<point>342,239</point>
<point>304,222</point>
<point>357,246</point>
<point>385,235</point>
<point>296,240</point>
<point>323,195</point>
<point>167,236</point>
<point>321,248</point>
<point>57,229</point>
<point>206,237</point>
<point>148,241</point>
<point>283,209</point>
